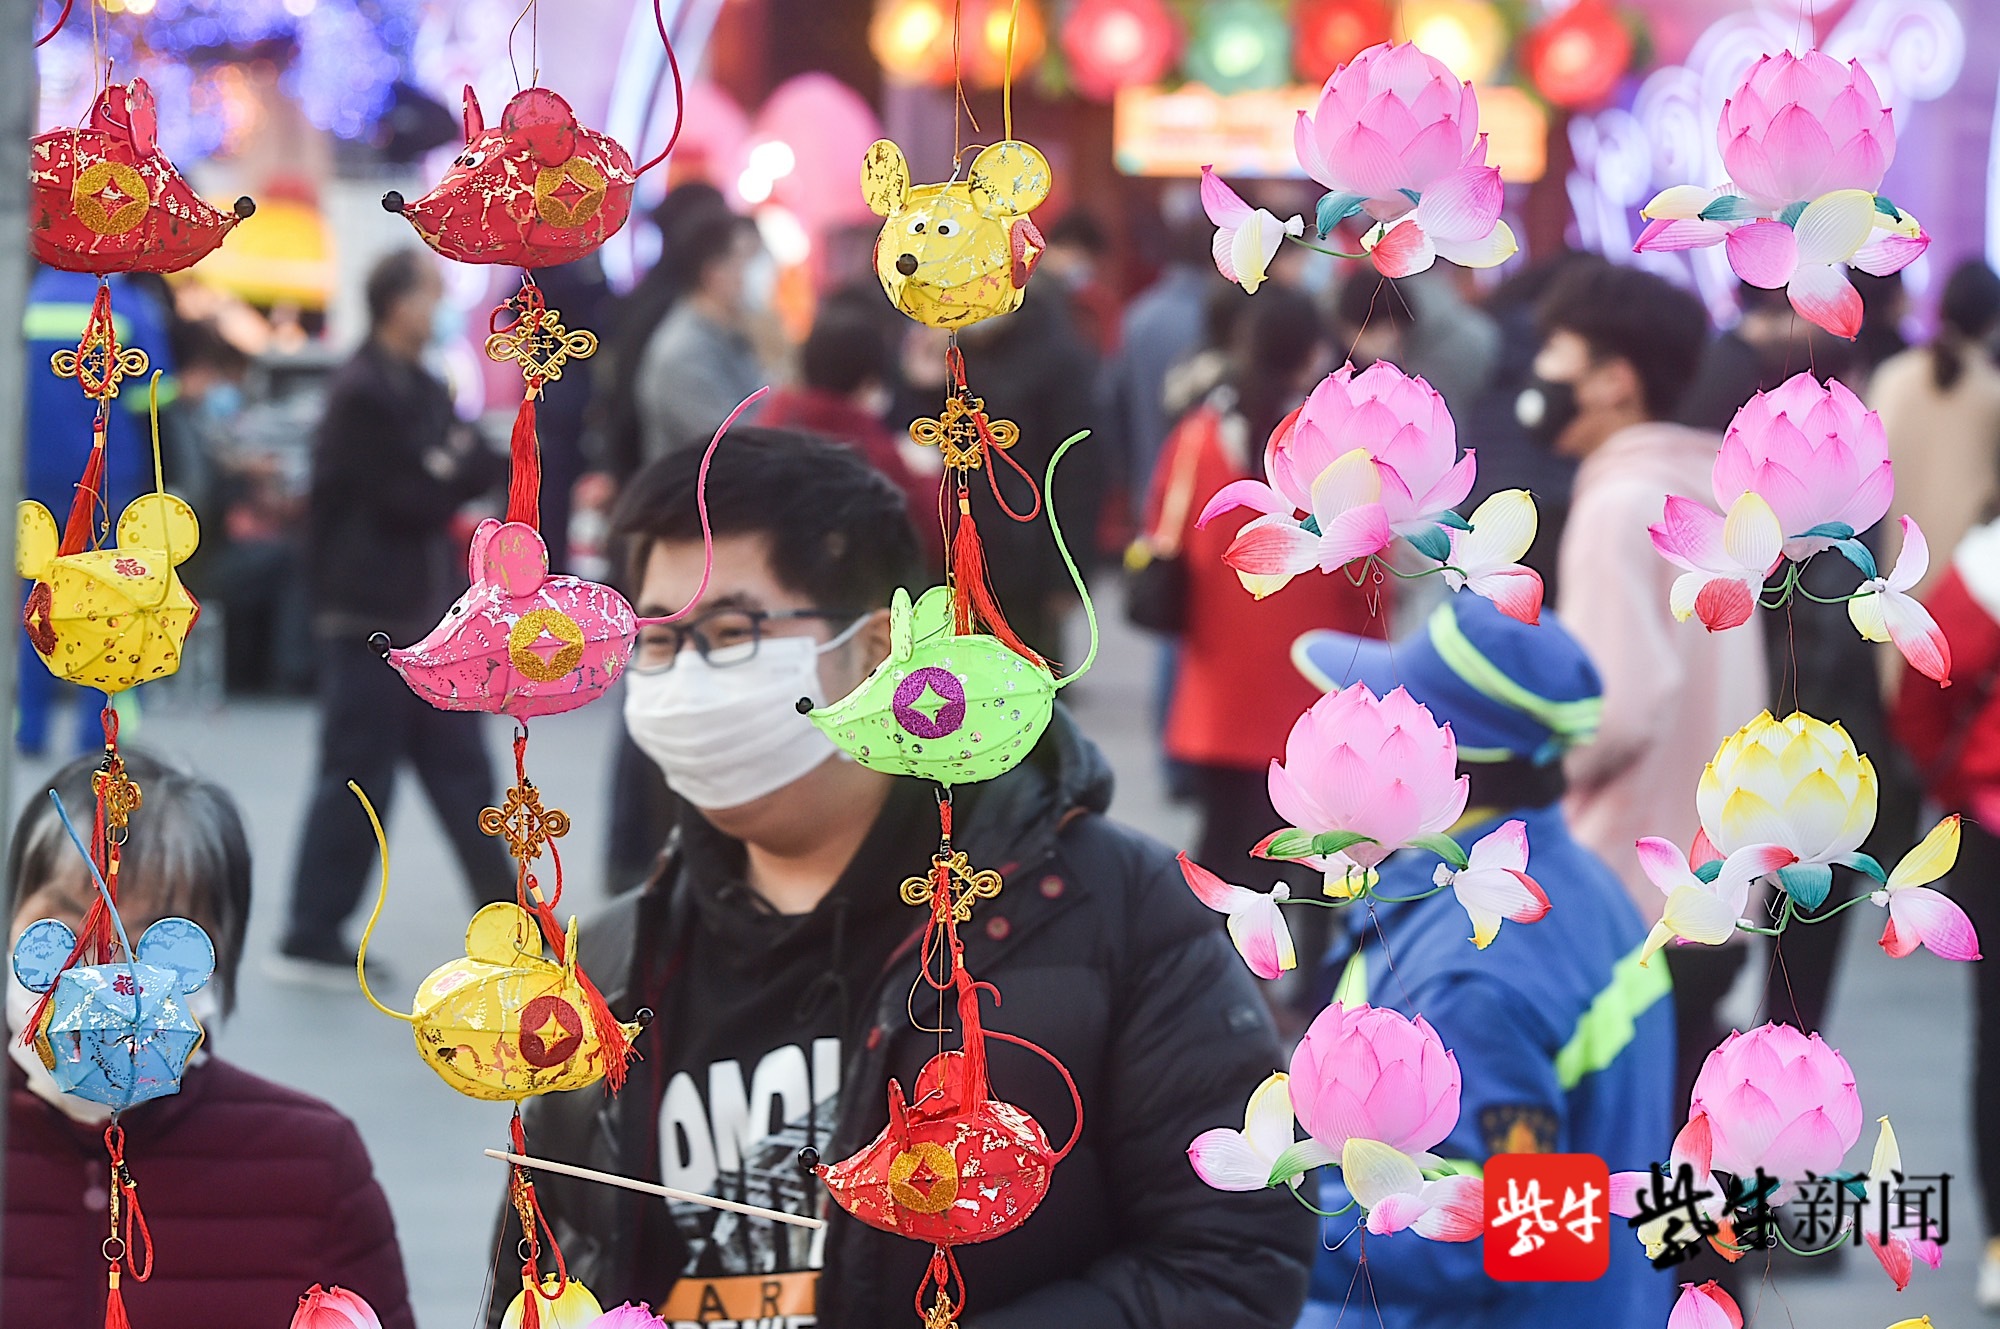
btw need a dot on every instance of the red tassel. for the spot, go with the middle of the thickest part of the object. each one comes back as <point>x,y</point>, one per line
<point>610,1033</point>
<point>89,493</point>
<point>114,1305</point>
<point>524,485</point>
<point>973,601</point>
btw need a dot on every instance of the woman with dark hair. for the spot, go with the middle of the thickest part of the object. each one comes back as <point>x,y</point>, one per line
<point>1941,407</point>
<point>253,1192</point>
<point>1235,693</point>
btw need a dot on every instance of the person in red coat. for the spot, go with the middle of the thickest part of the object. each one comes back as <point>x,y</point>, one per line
<point>1235,694</point>
<point>1953,735</point>
<point>251,1192</point>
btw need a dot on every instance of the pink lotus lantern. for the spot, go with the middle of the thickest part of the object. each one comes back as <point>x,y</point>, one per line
<point>1802,126</point>
<point>1374,1073</point>
<point>1378,774</point>
<point>1803,468</point>
<point>333,1308</point>
<point>1396,137</point>
<point>1806,141</point>
<point>1779,1100</point>
<point>1374,1091</point>
<point>1814,453</point>
<point>1372,456</point>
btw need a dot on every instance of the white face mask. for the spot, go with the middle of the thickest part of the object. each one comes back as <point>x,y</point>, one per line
<point>728,736</point>
<point>205,1006</point>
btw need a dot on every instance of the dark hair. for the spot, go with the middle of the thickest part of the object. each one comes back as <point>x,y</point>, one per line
<point>846,349</point>
<point>394,276</point>
<point>1277,338</point>
<point>186,853</point>
<point>1966,313</point>
<point>1628,314</point>
<point>696,228</point>
<point>839,531</point>
<point>197,342</point>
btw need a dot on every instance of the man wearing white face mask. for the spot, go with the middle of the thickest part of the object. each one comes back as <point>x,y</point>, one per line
<point>252,1191</point>
<point>779,961</point>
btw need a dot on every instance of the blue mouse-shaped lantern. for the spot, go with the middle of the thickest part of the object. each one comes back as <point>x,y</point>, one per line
<point>120,1032</point>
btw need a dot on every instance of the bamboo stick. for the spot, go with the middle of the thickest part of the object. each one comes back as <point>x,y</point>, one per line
<point>651,1188</point>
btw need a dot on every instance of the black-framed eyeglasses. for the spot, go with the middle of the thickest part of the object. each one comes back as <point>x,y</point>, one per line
<point>722,637</point>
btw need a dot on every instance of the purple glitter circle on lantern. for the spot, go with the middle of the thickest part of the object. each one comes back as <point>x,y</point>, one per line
<point>934,679</point>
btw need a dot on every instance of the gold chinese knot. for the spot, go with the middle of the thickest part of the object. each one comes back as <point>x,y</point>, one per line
<point>523,823</point>
<point>118,793</point>
<point>99,363</point>
<point>956,431</point>
<point>942,1314</point>
<point>541,345</point>
<point>967,886</point>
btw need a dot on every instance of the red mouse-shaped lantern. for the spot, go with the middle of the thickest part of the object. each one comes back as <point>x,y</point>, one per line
<point>536,190</point>
<point>104,198</point>
<point>955,1165</point>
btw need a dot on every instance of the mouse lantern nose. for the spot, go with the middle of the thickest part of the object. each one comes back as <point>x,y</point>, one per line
<point>907,265</point>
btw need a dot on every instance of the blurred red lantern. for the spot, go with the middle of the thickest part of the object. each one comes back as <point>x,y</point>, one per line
<point>1113,44</point>
<point>1577,57</point>
<point>1329,33</point>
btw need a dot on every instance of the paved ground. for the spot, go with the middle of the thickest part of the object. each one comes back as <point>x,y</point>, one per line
<point>1904,1025</point>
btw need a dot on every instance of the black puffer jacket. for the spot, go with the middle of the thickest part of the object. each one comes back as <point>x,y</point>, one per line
<point>1103,957</point>
<point>386,480</point>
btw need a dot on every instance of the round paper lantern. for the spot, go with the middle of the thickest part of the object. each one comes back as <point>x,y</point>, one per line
<point>911,40</point>
<point>1329,33</point>
<point>1577,57</point>
<point>1240,45</point>
<point>983,38</point>
<point>1469,36</point>
<point>1113,44</point>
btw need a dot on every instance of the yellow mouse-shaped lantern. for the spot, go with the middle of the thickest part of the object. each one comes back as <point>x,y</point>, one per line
<point>953,254</point>
<point>112,618</point>
<point>503,1023</point>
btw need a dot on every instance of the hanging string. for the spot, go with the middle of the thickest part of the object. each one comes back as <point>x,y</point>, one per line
<point>123,1196</point>
<point>101,922</point>
<point>701,509</point>
<point>611,1037</point>
<point>63,18</point>
<point>514,68</point>
<point>680,98</point>
<point>534,1226</point>
<point>1007,74</point>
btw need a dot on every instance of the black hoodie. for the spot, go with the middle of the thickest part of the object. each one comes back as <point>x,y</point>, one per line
<point>1102,956</point>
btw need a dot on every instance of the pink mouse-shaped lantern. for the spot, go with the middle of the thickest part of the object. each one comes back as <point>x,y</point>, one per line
<point>520,641</point>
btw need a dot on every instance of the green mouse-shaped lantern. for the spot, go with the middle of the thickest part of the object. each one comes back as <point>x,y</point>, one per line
<point>953,708</point>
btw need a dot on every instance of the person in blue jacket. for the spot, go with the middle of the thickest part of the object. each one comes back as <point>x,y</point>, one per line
<point>1565,1044</point>
<point>59,442</point>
